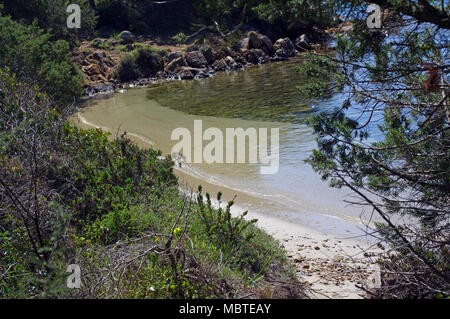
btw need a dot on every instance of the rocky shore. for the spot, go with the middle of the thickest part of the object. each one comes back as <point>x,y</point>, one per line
<point>180,62</point>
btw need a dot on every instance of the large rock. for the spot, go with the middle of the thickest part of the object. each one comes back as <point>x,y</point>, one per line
<point>303,43</point>
<point>231,63</point>
<point>240,60</point>
<point>98,78</point>
<point>285,44</point>
<point>174,65</point>
<point>257,41</point>
<point>174,55</point>
<point>209,55</point>
<point>267,45</point>
<point>92,69</point>
<point>100,56</point>
<point>284,48</point>
<point>186,74</point>
<point>256,56</point>
<point>127,37</point>
<point>220,65</point>
<point>254,42</point>
<point>244,45</point>
<point>196,59</point>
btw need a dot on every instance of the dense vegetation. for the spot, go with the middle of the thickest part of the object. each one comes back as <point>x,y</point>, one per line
<point>30,52</point>
<point>389,141</point>
<point>142,62</point>
<point>71,196</point>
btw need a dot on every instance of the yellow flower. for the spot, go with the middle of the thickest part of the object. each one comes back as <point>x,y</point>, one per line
<point>176,231</point>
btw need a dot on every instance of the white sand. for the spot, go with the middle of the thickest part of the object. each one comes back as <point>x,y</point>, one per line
<point>331,267</point>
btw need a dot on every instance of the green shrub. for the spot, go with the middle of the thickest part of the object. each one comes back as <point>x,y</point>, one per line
<point>148,61</point>
<point>109,175</point>
<point>31,53</point>
<point>52,15</point>
<point>220,223</point>
<point>127,69</point>
<point>180,38</point>
<point>117,224</point>
<point>144,61</point>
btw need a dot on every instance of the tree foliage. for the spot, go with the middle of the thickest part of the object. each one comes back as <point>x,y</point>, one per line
<point>30,52</point>
<point>51,16</point>
<point>389,140</point>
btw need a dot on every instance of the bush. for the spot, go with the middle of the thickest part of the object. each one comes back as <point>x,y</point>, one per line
<point>30,52</point>
<point>219,222</point>
<point>142,62</point>
<point>180,38</point>
<point>148,61</point>
<point>52,15</point>
<point>127,69</point>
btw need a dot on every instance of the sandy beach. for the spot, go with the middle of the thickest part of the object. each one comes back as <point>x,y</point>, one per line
<point>330,266</point>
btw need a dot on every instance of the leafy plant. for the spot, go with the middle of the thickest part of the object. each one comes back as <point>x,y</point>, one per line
<point>180,38</point>
<point>220,223</point>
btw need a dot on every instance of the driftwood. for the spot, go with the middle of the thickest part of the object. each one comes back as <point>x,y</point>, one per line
<point>216,27</point>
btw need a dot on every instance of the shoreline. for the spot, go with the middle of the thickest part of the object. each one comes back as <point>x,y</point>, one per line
<point>330,265</point>
<point>108,89</point>
<point>189,62</point>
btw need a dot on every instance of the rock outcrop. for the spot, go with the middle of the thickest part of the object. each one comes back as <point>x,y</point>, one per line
<point>284,48</point>
<point>195,62</point>
<point>196,59</point>
<point>174,65</point>
<point>267,46</point>
<point>173,55</point>
<point>127,37</point>
<point>96,66</point>
<point>254,42</point>
<point>303,43</point>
